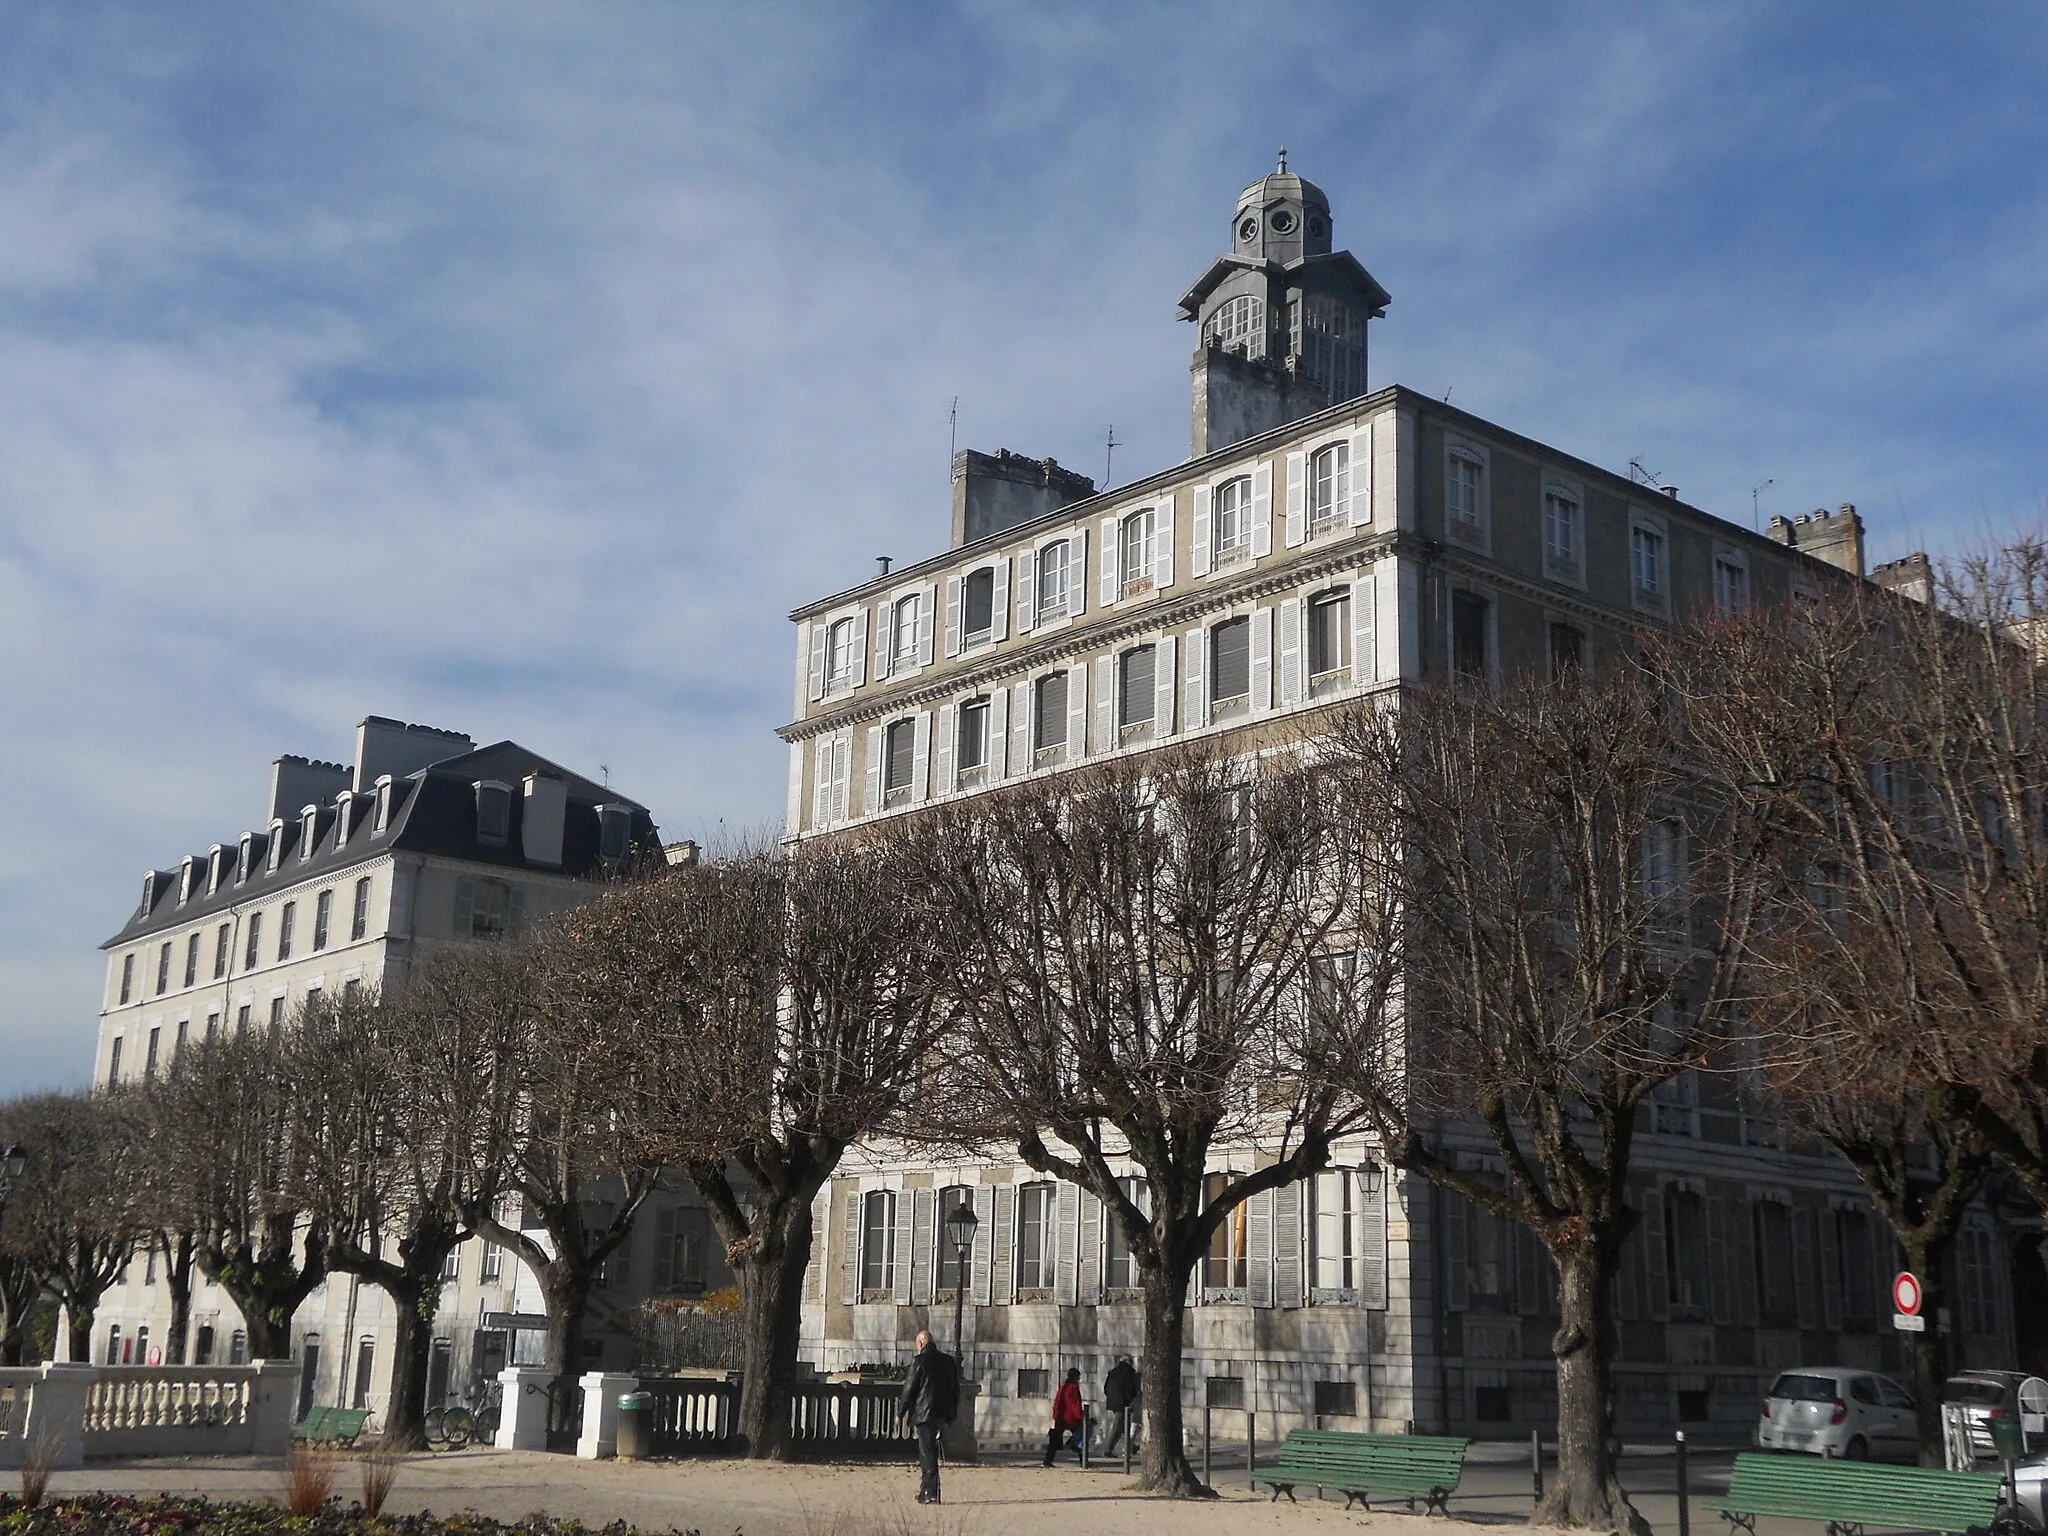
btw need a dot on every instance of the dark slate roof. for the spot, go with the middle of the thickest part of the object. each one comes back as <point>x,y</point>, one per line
<point>433,811</point>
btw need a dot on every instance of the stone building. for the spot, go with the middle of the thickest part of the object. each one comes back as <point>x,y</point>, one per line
<point>1325,542</point>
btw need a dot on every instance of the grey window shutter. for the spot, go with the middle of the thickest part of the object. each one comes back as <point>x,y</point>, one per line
<point>1717,1258</point>
<point>1295,529</point>
<point>849,1253</point>
<point>1372,1243</point>
<point>860,647</point>
<point>1290,652</point>
<point>999,601</point>
<point>923,1245</point>
<point>1457,1287</point>
<point>1091,1249</point>
<point>515,910</point>
<point>1262,511</point>
<point>943,757</point>
<point>998,732</point>
<point>1004,1274</point>
<point>1165,683</point>
<point>1110,586</point>
<point>1027,589</point>
<point>1802,1266</point>
<point>1364,647</point>
<point>1262,660</point>
<point>885,636</point>
<point>1162,543</point>
<point>1195,711</point>
<point>1259,1248</point>
<point>979,1267</point>
<point>664,1249</point>
<point>1077,575</point>
<point>1628,1287</point>
<point>1198,539</point>
<point>1066,1275</point>
<point>1886,1260</point>
<point>1020,729</point>
<point>920,756</point>
<point>465,905</point>
<point>1742,1263</point>
<point>952,615</point>
<point>927,613</point>
<point>1105,703</point>
<point>1360,513</point>
<point>1528,1254</point>
<point>1830,1271</point>
<point>821,781</point>
<point>817,661</point>
<point>871,797</point>
<point>1656,1275</point>
<point>1287,1246</point>
<point>900,1249</point>
<point>1077,711</point>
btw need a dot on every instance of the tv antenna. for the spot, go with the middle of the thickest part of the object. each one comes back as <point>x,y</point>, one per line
<point>1108,454</point>
<point>1755,521</point>
<point>1642,476</point>
<point>952,435</point>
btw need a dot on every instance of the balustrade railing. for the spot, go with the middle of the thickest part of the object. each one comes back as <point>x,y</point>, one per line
<point>849,1418</point>
<point>692,1415</point>
<point>168,1398</point>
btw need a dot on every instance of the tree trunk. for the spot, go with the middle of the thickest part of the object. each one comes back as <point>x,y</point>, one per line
<point>412,1339</point>
<point>1927,1257</point>
<point>178,1279</point>
<point>78,1349</point>
<point>1166,1468</point>
<point>268,1283</point>
<point>1587,1490</point>
<point>567,1289</point>
<point>770,1267</point>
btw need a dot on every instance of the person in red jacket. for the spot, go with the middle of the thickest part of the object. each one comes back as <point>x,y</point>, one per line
<point>1067,1417</point>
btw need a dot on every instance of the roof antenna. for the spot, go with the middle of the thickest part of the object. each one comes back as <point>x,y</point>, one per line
<point>1755,522</point>
<point>1642,476</point>
<point>1108,453</point>
<point>952,436</point>
<point>606,770</point>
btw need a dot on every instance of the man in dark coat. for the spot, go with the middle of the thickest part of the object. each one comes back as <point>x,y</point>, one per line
<point>1120,1393</point>
<point>931,1396</point>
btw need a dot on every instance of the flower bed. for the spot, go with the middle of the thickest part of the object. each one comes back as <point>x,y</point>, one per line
<point>112,1514</point>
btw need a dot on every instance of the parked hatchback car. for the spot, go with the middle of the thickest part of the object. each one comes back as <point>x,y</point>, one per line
<point>1984,1396</point>
<point>1836,1410</point>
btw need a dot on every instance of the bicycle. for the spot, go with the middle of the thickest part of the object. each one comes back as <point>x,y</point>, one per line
<point>452,1426</point>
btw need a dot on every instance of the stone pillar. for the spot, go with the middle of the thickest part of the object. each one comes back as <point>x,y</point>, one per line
<point>273,1394</point>
<point>523,1411</point>
<point>601,1392</point>
<point>959,1442</point>
<point>56,1410</point>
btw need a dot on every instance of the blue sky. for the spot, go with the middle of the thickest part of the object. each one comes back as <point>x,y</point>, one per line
<point>516,368</point>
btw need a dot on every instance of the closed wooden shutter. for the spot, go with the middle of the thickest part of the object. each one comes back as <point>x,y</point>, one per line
<point>1290,652</point>
<point>1027,590</point>
<point>923,1245</point>
<point>1803,1286</point>
<point>821,782</point>
<point>515,910</point>
<point>899,1253</point>
<point>664,1250</point>
<point>1105,704</point>
<point>1077,575</point>
<point>999,601</point>
<point>920,756</point>
<point>1077,711</point>
<point>1091,1249</point>
<point>1360,513</point>
<point>998,732</point>
<point>465,906</point>
<point>943,757</point>
<point>1162,543</point>
<point>1372,1247</point>
<point>1288,1289</point>
<point>1165,683</point>
<point>1196,707</point>
<point>871,796</point>
<point>885,634</point>
<point>849,1252</point>
<point>980,1266</point>
<point>1262,660</point>
<point>1020,729</point>
<point>1658,1303</point>
<point>1003,1256</point>
<point>1259,1248</point>
<point>1066,1273</point>
<point>1457,1286</point>
<point>1111,589</point>
<point>952,615</point>
<point>1295,529</point>
<point>860,647</point>
<point>927,613</point>
<point>1364,645</point>
<point>817,661</point>
<point>1717,1259</point>
<point>1742,1263</point>
<point>1198,534</point>
<point>1262,511</point>
<point>1830,1271</point>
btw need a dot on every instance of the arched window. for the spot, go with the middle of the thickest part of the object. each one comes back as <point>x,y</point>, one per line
<point>1053,577</point>
<point>908,643</point>
<point>1330,337</point>
<point>1232,519</point>
<point>1240,326</point>
<point>1329,487</point>
<point>839,655</point>
<point>1134,547</point>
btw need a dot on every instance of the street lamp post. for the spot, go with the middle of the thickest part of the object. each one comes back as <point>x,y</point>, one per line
<point>960,1226</point>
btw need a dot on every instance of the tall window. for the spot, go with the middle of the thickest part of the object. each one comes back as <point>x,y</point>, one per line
<point>149,1070</point>
<point>1329,487</point>
<point>839,655</point>
<point>1329,633</point>
<point>978,604</point>
<point>1230,660</point>
<point>493,813</point>
<point>1461,490</point>
<point>1227,1266</point>
<point>127,976</point>
<point>212,1028</point>
<point>1852,1249</point>
<point>1232,517</point>
<point>1468,634</point>
<point>1646,560</point>
<point>1660,876</point>
<point>1330,337</point>
<point>1239,325</point>
<point>1560,530</point>
<point>255,937</point>
<point>1685,1252</point>
<point>878,1241</point>
<point>114,1064</point>
<point>1134,547</point>
<point>359,923</point>
<point>1333,1232</point>
<point>323,916</point>
<point>1053,577</point>
<point>192,960</point>
<point>163,969</point>
<point>1049,720</point>
<point>222,938</point>
<point>907,641</point>
<point>1135,697</point>
<point>1121,1269</point>
<point>899,756</point>
<point>241,1022</point>
<point>1731,587</point>
<point>287,920</point>
<point>491,913</point>
<point>1567,650</point>
<point>1035,1230</point>
<point>970,751</point>
<point>952,1274</point>
<point>1777,1305</point>
<point>276,1013</point>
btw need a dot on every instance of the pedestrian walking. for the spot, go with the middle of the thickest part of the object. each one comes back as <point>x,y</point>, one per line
<point>930,1398</point>
<point>1120,1394</point>
<point>1067,1417</point>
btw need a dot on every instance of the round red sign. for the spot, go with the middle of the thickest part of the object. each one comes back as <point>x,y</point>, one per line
<point>1906,1293</point>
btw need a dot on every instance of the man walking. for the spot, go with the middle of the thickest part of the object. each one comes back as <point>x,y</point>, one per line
<point>931,1396</point>
<point>1120,1396</point>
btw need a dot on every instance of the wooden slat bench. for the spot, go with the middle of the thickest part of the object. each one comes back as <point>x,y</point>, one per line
<point>1850,1495</point>
<point>1368,1467</point>
<point>330,1426</point>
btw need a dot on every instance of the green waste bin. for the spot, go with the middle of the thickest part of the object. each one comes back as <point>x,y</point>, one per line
<point>636,1425</point>
<point>2008,1435</point>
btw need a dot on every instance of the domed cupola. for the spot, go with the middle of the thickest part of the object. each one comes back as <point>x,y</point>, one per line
<point>1281,217</point>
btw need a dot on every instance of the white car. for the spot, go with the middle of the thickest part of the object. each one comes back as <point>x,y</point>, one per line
<point>1838,1410</point>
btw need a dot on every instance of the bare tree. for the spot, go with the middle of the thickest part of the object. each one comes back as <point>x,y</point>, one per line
<point>1162,961</point>
<point>20,1288</point>
<point>1579,903</point>
<point>775,1007</point>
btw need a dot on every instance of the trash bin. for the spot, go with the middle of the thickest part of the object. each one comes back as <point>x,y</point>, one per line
<point>2007,1435</point>
<point>636,1425</point>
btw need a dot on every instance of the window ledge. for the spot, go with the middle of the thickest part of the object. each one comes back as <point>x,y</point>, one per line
<point>1333,1296</point>
<point>1142,731</point>
<point>1141,588</point>
<point>1231,708</point>
<point>1045,757</point>
<point>1034,1293</point>
<point>1237,1294</point>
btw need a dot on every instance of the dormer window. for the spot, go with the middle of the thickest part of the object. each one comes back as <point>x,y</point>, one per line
<point>245,857</point>
<point>309,831</point>
<point>614,832</point>
<point>276,847</point>
<point>187,869</point>
<point>216,861</point>
<point>380,820</point>
<point>493,813</point>
<point>344,812</point>
<point>148,893</point>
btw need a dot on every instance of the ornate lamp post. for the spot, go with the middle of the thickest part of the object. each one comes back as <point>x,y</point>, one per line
<point>960,1225</point>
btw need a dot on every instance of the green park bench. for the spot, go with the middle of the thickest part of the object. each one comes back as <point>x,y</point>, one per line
<point>1850,1495</point>
<point>1368,1467</point>
<point>330,1426</point>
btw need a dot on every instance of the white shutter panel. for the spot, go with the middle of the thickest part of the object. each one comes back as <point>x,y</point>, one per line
<point>943,757</point>
<point>922,1246</point>
<point>1091,1250</point>
<point>849,1252</point>
<point>821,782</point>
<point>1077,712</point>
<point>1259,1249</point>
<point>1003,1279</point>
<point>871,794</point>
<point>998,733</point>
<point>1364,646</point>
<point>900,1248</point>
<point>1077,575</point>
<point>1027,590</point>
<point>1372,1243</point>
<point>1287,1246</point>
<point>1290,651</point>
<point>1196,710</point>
<point>1105,703</point>
<point>1109,581</point>
<point>817,661</point>
<point>1802,1266</point>
<point>1658,1303</point>
<point>952,615</point>
<point>927,613</point>
<point>860,647</point>
<point>980,1267</point>
<point>1066,1278</point>
<point>842,776</point>
<point>1457,1287</point>
<point>885,632</point>
<point>999,601</point>
<point>1360,513</point>
<point>1262,660</point>
<point>920,756</point>
<point>1162,544</point>
<point>1165,682</point>
<point>1296,528</point>
<point>1262,511</point>
<point>1198,551</point>
<point>1020,730</point>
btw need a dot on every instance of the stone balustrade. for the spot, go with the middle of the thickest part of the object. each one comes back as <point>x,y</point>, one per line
<point>146,1410</point>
